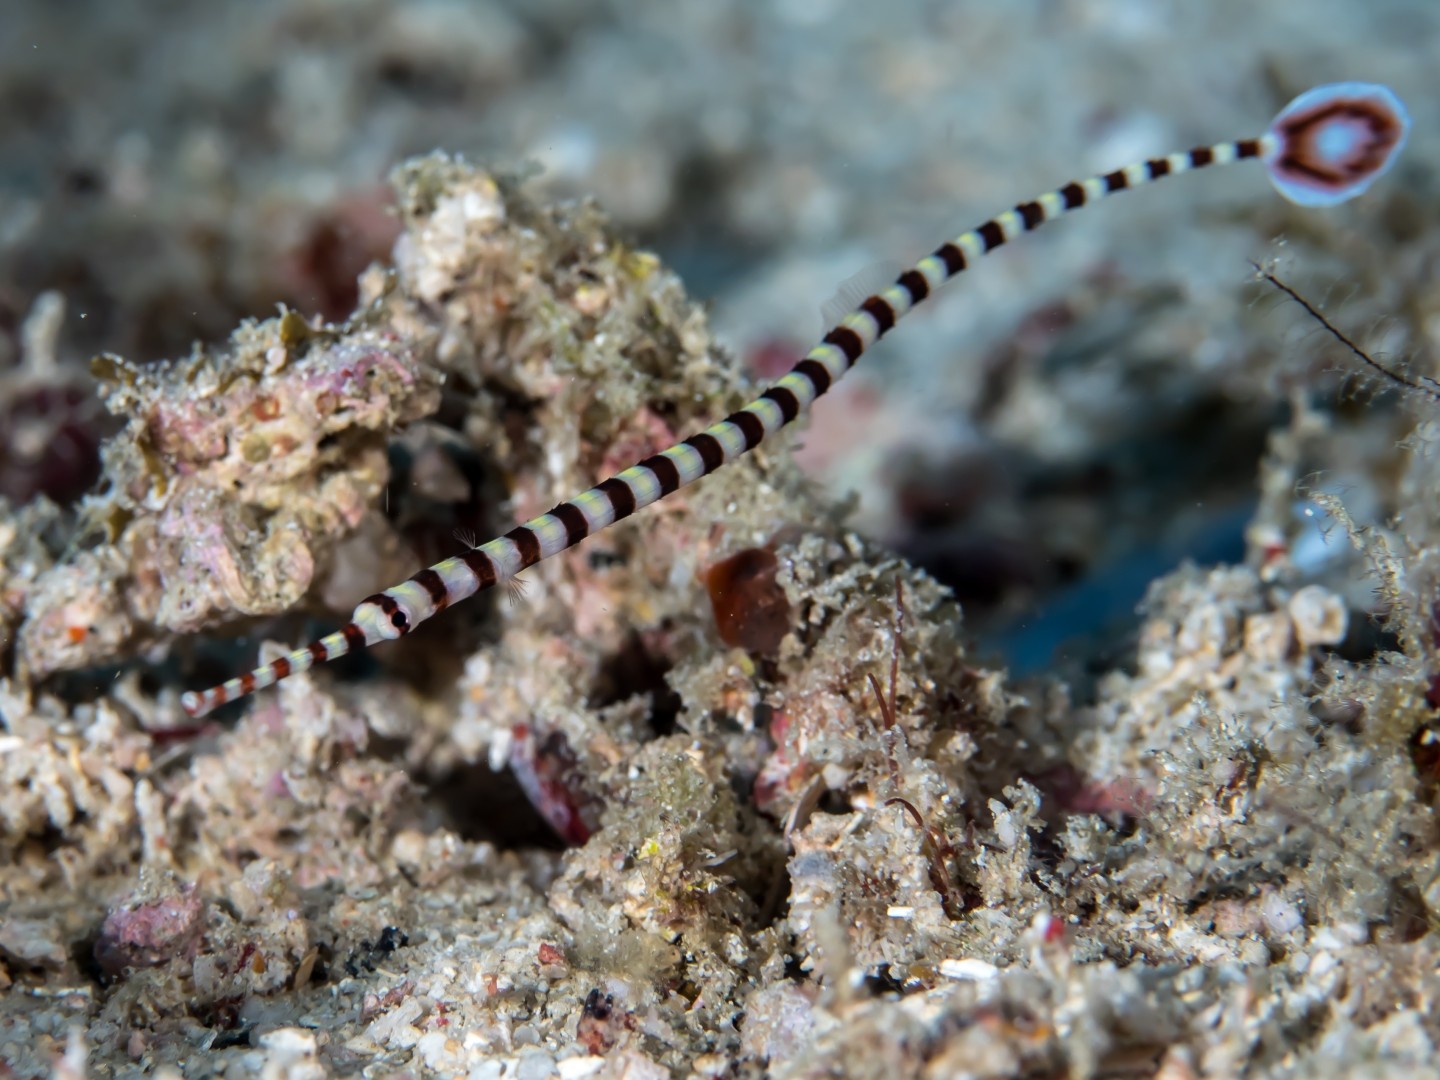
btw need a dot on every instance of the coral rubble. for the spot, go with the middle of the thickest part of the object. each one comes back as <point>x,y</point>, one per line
<point>729,790</point>
<point>810,833</point>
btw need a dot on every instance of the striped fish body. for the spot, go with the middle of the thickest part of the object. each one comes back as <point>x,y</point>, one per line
<point>1325,147</point>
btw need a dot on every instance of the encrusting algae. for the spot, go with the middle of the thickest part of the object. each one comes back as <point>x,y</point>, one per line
<point>1222,860</point>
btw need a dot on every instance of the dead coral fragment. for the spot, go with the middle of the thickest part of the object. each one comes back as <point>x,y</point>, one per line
<point>233,470</point>
<point>73,617</point>
<point>548,773</point>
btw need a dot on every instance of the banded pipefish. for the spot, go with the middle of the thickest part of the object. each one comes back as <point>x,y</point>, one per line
<point>1326,146</point>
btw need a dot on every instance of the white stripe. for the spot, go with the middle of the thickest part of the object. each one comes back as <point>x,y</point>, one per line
<point>801,387</point>
<point>832,357</point>
<point>414,599</point>
<point>932,269</point>
<point>551,534</point>
<point>460,580</point>
<point>300,660</point>
<point>864,324</point>
<point>899,299</point>
<point>505,555</point>
<point>1011,224</point>
<point>688,462</point>
<point>768,414</point>
<point>730,438</point>
<point>642,485</point>
<point>599,511</point>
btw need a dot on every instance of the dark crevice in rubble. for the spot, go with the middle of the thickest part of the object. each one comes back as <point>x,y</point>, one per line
<point>481,805</point>
<point>636,669</point>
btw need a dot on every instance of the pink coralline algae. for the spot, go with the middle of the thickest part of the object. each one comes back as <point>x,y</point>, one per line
<point>150,933</point>
<point>547,772</point>
<point>235,475</point>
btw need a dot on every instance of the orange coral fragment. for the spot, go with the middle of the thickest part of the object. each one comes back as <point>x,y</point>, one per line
<point>751,611</point>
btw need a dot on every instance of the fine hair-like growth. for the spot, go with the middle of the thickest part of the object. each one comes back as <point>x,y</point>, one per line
<point>1326,146</point>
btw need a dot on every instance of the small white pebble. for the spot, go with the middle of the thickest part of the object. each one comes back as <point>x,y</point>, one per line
<point>1340,935</point>
<point>1267,636</point>
<point>1178,1064</point>
<point>1204,631</point>
<point>408,848</point>
<point>1155,662</point>
<point>1252,952</point>
<point>1319,617</point>
<point>1279,914</point>
<point>1005,830</point>
<point>576,1068</point>
<point>437,1049</point>
<point>968,968</point>
<point>289,1040</point>
<point>536,1065</point>
<point>1323,964</point>
<point>481,206</point>
<point>900,911</point>
<point>500,747</point>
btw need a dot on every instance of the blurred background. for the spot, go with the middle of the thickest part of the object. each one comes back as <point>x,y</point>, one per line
<point>1085,410</point>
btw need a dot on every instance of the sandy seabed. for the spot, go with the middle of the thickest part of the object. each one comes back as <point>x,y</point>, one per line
<point>771,780</point>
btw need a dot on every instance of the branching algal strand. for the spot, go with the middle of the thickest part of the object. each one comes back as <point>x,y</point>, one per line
<point>1394,377</point>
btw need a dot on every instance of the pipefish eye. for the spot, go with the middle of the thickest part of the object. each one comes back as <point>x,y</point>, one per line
<point>1333,142</point>
<point>400,620</point>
